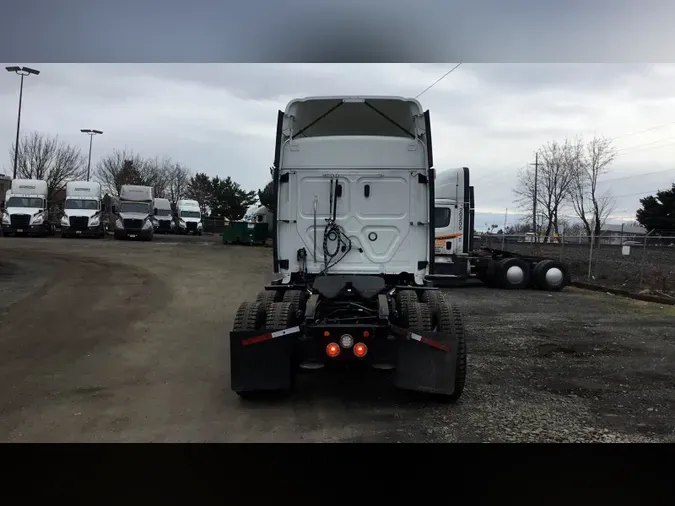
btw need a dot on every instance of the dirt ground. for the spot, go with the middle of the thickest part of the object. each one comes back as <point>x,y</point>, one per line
<point>122,341</point>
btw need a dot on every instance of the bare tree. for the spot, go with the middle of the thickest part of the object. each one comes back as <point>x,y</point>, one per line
<point>117,169</point>
<point>178,182</point>
<point>590,161</point>
<point>43,157</point>
<point>554,182</point>
<point>155,173</point>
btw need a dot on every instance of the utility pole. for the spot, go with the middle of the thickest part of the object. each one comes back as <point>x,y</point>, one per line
<point>534,199</point>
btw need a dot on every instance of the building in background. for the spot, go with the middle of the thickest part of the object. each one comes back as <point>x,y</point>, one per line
<point>619,234</point>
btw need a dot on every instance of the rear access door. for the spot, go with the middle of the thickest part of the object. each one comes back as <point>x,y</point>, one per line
<point>381,215</point>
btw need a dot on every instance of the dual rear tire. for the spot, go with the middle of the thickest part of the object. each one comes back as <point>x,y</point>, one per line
<point>271,311</point>
<point>436,313</point>
<point>515,273</point>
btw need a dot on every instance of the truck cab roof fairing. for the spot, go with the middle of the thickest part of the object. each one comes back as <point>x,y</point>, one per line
<point>353,115</point>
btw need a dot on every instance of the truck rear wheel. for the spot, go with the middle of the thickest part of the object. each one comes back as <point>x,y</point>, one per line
<point>419,317</point>
<point>434,298</point>
<point>296,298</point>
<point>267,297</point>
<point>280,315</point>
<point>513,273</point>
<point>449,319</point>
<point>550,275</point>
<point>252,316</point>
<point>249,316</point>
<point>404,300</point>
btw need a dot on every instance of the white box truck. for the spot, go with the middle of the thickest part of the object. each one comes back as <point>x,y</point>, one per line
<point>26,209</point>
<point>133,213</point>
<point>353,241</point>
<point>82,210</point>
<point>189,217</point>
<point>163,219</point>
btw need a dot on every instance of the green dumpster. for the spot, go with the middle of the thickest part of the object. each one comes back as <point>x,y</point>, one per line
<point>245,233</point>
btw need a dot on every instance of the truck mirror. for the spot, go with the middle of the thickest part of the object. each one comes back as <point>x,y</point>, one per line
<point>114,209</point>
<point>155,211</point>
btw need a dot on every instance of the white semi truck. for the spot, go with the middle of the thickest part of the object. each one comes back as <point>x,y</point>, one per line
<point>259,214</point>
<point>133,213</point>
<point>353,241</point>
<point>455,258</point>
<point>26,209</point>
<point>83,210</point>
<point>163,219</point>
<point>189,217</point>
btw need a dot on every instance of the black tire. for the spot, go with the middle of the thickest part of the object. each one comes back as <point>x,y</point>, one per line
<point>267,297</point>
<point>280,315</point>
<point>448,318</point>
<point>419,317</point>
<point>489,274</point>
<point>434,298</point>
<point>404,299</point>
<point>503,267</point>
<point>541,270</point>
<point>249,316</point>
<point>296,298</point>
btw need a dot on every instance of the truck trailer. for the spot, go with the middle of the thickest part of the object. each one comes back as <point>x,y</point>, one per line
<point>456,260</point>
<point>83,207</point>
<point>353,242</point>
<point>26,209</point>
<point>133,213</point>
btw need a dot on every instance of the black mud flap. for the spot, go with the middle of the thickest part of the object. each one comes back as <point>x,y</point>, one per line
<point>426,361</point>
<point>261,360</point>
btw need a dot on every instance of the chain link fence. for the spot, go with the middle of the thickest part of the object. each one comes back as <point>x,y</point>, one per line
<point>637,263</point>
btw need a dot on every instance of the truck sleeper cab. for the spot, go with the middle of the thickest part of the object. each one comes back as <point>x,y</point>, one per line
<point>26,209</point>
<point>82,216</point>
<point>353,242</point>
<point>189,217</point>
<point>133,213</point>
<point>163,219</point>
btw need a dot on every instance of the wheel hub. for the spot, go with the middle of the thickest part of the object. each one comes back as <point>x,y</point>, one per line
<point>554,276</point>
<point>515,275</point>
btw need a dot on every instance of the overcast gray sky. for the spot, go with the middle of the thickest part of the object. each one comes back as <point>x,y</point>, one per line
<point>221,118</point>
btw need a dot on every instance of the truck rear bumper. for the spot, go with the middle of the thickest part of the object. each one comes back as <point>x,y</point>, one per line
<point>268,360</point>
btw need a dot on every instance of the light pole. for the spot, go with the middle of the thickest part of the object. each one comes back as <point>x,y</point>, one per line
<point>91,134</point>
<point>23,72</point>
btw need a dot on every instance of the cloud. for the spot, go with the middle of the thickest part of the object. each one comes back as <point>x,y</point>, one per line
<point>221,118</point>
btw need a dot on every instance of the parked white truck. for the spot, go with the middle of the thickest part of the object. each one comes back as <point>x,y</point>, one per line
<point>134,212</point>
<point>259,214</point>
<point>163,219</point>
<point>26,209</point>
<point>82,210</point>
<point>455,258</point>
<point>189,217</point>
<point>353,241</point>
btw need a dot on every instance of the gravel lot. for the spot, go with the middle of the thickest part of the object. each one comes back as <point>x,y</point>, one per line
<point>122,341</point>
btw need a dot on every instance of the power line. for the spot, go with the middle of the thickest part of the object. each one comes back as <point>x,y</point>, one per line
<point>438,80</point>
